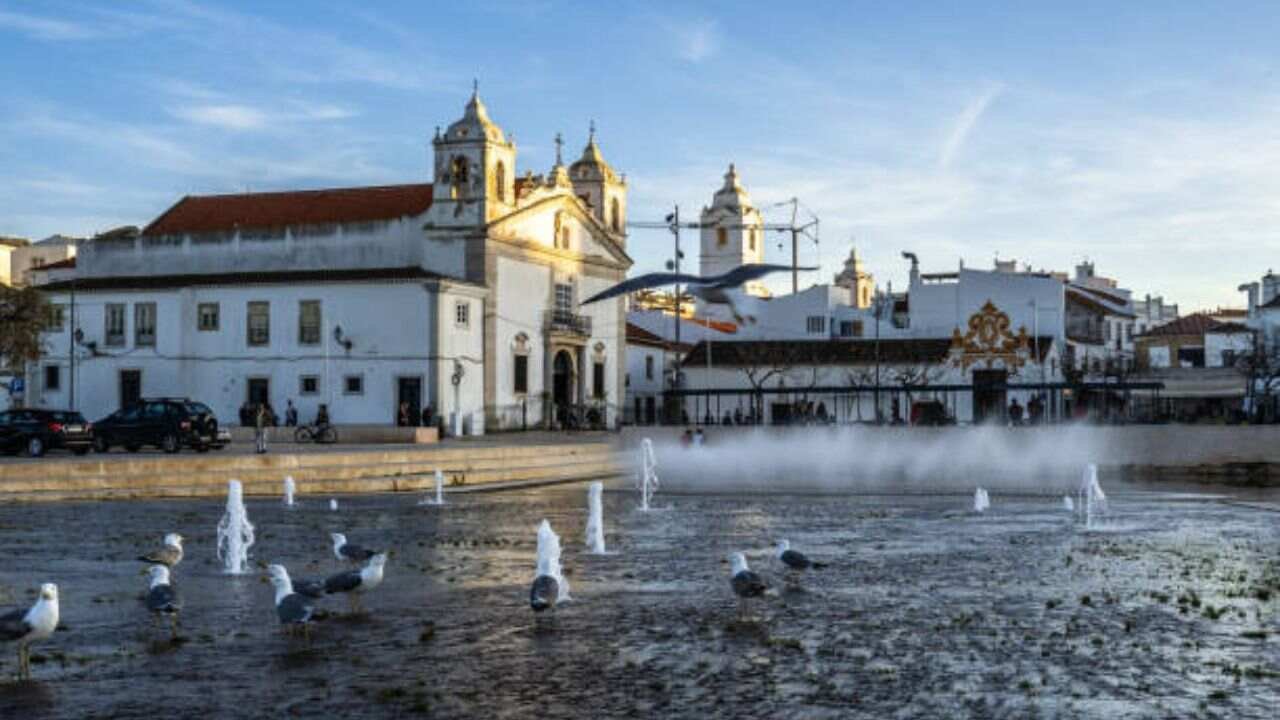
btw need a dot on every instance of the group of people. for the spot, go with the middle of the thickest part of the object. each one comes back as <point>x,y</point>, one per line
<point>1034,414</point>
<point>261,416</point>
<point>405,417</point>
<point>692,438</point>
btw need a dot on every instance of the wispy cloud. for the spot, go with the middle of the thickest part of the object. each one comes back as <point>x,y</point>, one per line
<point>45,28</point>
<point>245,117</point>
<point>964,124</point>
<point>698,40</point>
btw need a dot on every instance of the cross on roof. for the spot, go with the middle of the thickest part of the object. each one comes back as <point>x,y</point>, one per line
<point>559,144</point>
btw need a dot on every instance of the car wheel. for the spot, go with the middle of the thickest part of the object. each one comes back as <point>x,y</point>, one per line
<point>101,445</point>
<point>133,448</point>
<point>202,448</point>
<point>169,443</point>
<point>80,450</point>
<point>35,447</point>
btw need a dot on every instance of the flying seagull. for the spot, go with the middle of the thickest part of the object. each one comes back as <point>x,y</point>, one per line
<point>349,552</point>
<point>27,626</point>
<point>169,555</point>
<point>357,582</point>
<point>746,584</point>
<point>163,599</point>
<point>294,610</point>
<point>723,289</point>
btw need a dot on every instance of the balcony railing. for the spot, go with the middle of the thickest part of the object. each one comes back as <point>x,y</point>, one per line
<point>567,321</point>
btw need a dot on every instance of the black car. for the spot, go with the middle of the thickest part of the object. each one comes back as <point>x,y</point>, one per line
<point>167,423</point>
<point>36,431</point>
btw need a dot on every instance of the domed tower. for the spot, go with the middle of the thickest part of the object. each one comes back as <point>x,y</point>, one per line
<point>732,232</point>
<point>474,169</point>
<point>601,188</point>
<point>855,278</point>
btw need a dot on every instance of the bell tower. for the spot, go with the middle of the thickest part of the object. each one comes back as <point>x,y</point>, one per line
<point>732,232</point>
<point>474,170</point>
<point>601,188</point>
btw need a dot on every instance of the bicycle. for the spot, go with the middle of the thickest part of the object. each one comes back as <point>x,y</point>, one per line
<point>319,434</point>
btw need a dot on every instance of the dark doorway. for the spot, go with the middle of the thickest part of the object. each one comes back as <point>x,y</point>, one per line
<point>650,414</point>
<point>989,395</point>
<point>130,387</point>
<point>781,413</point>
<point>259,391</point>
<point>410,391</point>
<point>562,378</point>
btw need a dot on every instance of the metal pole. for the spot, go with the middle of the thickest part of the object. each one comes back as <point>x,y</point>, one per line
<point>71,345</point>
<point>675,231</point>
<point>795,261</point>
<point>879,305</point>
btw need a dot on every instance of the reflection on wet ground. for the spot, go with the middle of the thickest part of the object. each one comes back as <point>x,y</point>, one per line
<point>925,610</point>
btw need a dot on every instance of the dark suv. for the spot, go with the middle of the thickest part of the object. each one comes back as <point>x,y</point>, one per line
<point>36,431</point>
<point>167,423</point>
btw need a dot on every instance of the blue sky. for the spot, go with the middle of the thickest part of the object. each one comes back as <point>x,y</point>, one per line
<point>1143,136</point>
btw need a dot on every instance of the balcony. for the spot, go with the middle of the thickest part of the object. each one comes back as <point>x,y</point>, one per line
<point>566,321</point>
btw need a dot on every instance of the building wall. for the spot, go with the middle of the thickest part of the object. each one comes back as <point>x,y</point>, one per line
<point>937,308</point>
<point>215,366</point>
<point>1218,345</point>
<point>24,258</point>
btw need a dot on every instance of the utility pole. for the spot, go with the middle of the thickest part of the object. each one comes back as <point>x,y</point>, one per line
<point>71,344</point>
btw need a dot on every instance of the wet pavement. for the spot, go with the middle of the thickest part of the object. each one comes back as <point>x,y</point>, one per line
<point>1168,610</point>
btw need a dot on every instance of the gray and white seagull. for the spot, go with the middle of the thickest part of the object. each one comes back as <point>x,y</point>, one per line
<point>163,599</point>
<point>746,584</point>
<point>294,610</point>
<point>27,626</point>
<point>350,552</point>
<point>357,582</point>
<point>725,289</point>
<point>168,555</point>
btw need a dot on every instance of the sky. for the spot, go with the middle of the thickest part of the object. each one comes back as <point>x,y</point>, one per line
<point>1144,137</point>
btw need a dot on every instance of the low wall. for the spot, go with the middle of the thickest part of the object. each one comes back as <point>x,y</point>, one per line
<point>466,466</point>
<point>348,435</point>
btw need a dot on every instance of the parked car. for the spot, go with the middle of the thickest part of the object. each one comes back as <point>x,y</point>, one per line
<point>167,423</point>
<point>37,431</point>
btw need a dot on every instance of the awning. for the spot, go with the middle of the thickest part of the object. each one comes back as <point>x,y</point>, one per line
<point>1231,386</point>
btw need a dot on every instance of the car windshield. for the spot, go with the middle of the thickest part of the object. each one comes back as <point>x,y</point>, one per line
<point>69,418</point>
<point>196,408</point>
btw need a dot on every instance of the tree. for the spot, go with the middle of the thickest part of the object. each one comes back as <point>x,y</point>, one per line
<point>860,377</point>
<point>1262,368</point>
<point>23,316</point>
<point>760,362</point>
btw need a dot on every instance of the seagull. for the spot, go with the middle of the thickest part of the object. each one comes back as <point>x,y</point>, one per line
<point>357,582</point>
<point>746,584</point>
<point>348,552</point>
<point>169,555</point>
<point>795,560</point>
<point>163,599</point>
<point>294,609</point>
<point>544,593</point>
<point>725,289</point>
<point>27,626</point>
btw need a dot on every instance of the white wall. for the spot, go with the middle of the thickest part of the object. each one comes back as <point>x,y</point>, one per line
<point>1215,344</point>
<point>214,367</point>
<point>938,308</point>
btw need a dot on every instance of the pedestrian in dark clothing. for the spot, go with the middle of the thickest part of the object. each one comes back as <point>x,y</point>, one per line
<point>402,419</point>
<point>246,414</point>
<point>260,429</point>
<point>1015,412</point>
<point>290,414</point>
<point>428,417</point>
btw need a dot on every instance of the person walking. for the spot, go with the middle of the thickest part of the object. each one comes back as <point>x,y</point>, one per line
<point>402,419</point>
<point>1015,413</point>
<point>260,431</point>
<point>428,417</point>
<point>290,414</point>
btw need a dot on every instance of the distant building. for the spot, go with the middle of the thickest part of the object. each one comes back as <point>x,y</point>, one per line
<point>732,233</point>
<point>19,258</point>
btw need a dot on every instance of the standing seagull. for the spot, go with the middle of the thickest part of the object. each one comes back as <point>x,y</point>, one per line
<point>169,555</point>
<point>795,560</point>
<point>27,626</point>
<point>544,593</point>
<point>725,289</point>
<point>163,599</point>
<point>746,584</point>
<point>294,609</point>
<point>357,582</point>
<point>348,552</point>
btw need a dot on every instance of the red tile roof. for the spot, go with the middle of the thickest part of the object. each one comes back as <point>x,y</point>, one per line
<point>269,277</point>
<point>1195,324</point>
<point>221,213</point>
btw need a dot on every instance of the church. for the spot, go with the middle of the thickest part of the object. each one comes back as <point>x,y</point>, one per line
<point>460,294</point>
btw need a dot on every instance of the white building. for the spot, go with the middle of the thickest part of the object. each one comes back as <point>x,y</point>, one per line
<point>19,258</point>
<point>460,295</point>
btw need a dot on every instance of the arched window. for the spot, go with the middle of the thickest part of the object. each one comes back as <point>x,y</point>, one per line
<point>615,213</point>
<point>500,181</point>
<point>754,232</point>
<point>564,238</point>
<point>458,175</point>
<point>722,237</point>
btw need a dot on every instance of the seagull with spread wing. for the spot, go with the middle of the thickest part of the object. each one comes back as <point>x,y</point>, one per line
<point>723,289</point>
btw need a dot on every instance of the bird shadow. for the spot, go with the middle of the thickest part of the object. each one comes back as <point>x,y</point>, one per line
<point>166,645</point>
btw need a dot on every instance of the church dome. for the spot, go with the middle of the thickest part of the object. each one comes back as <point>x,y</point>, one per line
<point>732,195</point>
<point>592,166</point>
<point>475,124</point>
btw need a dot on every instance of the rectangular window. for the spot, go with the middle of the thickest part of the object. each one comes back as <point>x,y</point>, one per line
<point>259,324</point>
<point>564,297</point>
<point>52,377</point>
<point>648,367</point>
<point>1106,331</point>
<point>522,374</point>
<point>144,325</point>
<point>462,314</point>
<point>309,322</point>
<point>597,380</point>
<point>353,385</point>
<point>817,324</point>
<point>309,385</point>
<point>114,331</point>
<point>57,318</point>
<point>207,317</point>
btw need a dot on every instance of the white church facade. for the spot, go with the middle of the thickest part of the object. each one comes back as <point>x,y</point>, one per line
<point>460,294</point>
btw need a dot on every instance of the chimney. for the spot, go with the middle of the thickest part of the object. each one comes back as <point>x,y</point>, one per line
<point>1252,290</point>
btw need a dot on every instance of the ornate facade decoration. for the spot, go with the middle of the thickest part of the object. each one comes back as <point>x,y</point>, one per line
<point>989,340</point>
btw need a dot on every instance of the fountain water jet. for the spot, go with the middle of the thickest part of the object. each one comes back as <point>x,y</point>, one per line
<point>333,505</point>
<point>595,518</point>
<point>549,559</point>
<point>235,532</point>
<point>648,480</point>
<point>439,490</point>
<point>981,500</point>
<point>1092,501</point>
<point>1067,504</point>
<point>289,489</point>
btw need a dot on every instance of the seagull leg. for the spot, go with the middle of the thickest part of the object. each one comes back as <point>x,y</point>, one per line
<point>24,662</point>
<point>173,626</point>
<point>306,635</point>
